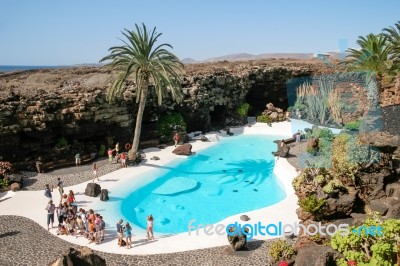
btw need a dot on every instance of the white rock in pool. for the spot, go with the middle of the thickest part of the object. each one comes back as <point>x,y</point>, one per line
<point>176,185</point>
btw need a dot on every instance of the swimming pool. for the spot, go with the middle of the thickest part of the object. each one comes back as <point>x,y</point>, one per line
<point>231,177</point>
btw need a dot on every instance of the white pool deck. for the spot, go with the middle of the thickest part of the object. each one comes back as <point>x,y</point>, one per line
<point>31,204</point>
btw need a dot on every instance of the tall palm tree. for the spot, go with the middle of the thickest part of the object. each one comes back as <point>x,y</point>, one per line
<point>393,35</point>
<point>149,64</point>
<point>374,55</point>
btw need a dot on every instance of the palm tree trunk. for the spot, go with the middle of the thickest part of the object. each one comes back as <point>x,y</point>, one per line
<point>139,117</point>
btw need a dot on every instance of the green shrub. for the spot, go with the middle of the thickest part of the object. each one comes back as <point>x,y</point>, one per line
<point>264,119</point>
<point>359,153</point>
<point>331,185</point>
<point>243,110</point>
<point>370,249</point>
<point>102,150</point>
<point>3,183</point>
<point>311,150</point>
<point>353,125</point>
<point>168,123</point>
<point>311,204</point>
<point>299,106</point>
<point>280,249</point>
<point>61,142</point>
<point>323,133</point>
<point>343,168</point>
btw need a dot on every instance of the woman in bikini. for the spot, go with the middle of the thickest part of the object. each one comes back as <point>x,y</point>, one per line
<point>95,169</point>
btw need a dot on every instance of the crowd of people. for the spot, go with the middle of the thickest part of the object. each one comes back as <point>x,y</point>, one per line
<point>71,221</point>
<point>88,224</point>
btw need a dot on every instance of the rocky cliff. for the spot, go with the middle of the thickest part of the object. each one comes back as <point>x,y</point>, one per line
<point>41,108</point>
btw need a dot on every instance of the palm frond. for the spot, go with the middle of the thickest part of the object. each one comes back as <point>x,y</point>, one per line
<point>141,57</point>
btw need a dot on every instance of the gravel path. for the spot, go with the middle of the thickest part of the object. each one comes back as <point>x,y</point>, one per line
<point>24,242</point>
<point>296,149</point>
<point>70,176</point>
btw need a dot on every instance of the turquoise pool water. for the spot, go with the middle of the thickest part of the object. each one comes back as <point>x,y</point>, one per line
<point>231,177</point>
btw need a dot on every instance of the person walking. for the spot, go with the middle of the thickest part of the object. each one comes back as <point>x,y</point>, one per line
<point>78,159</point>
<point>47,192</point>
<point>103,228</point>
<point>95,169</point>
<point>176,138</point>
<point>149,231</point>
<point>60,187</point>
<point>50,208</point>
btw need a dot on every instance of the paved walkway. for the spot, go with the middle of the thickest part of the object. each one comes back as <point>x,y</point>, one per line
<point>24,242</point>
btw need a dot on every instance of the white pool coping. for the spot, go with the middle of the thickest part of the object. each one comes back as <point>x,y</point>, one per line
<point>31,204</point>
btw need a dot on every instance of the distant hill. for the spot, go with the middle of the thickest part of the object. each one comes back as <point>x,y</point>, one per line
<point>189,61</point>
<point>246,56</point>
<point>232,57</point>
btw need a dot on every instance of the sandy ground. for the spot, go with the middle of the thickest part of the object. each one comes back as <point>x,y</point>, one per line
<point>31,204</point>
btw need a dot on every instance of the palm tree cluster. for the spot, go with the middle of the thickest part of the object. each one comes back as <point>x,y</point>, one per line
<point>379,53</point>
<point>150,64</point>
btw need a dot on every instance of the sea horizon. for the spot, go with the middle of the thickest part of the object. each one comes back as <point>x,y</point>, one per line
<point>11,68</point>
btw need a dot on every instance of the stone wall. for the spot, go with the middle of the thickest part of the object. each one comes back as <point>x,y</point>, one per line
<point>390,95</point>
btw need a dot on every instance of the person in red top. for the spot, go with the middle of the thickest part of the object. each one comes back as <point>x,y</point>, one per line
<point>122,157</point>
<point>176,138</point>
<point>71,197</point>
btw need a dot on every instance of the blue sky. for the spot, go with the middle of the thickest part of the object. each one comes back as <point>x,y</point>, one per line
<point>49,32</point>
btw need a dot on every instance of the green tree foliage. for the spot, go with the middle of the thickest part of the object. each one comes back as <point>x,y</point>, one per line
<point>375,54</point>
<point>393,36</point>
<point>102,150</point>
<point>169,123</point>
<point>243,110</point>
<point>149,63</point>
<point>61,142</point>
